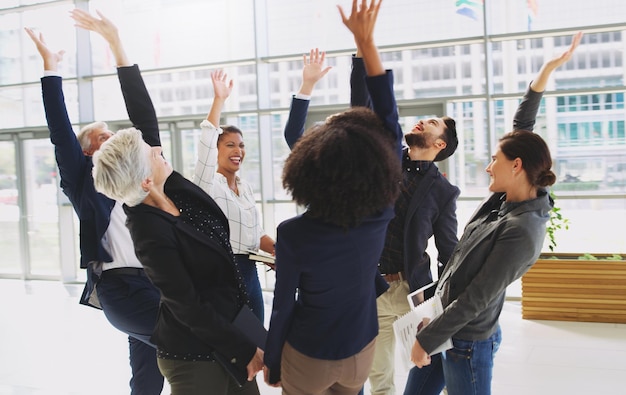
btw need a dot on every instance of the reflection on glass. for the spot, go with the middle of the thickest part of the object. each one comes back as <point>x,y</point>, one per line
<point>22,106</point>
<point>41,206</point>
<point>19,59</point>
<point>280,152</point>
<point>9,211</point>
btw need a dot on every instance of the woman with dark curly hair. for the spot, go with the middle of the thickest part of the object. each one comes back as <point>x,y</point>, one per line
<point>341,171</point>
<point>347,173</point>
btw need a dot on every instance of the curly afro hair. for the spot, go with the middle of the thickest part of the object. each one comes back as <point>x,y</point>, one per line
<point>345,169</point>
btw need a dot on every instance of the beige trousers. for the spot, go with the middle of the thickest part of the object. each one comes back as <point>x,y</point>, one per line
<point>303,375</point>
<point>391,305</point>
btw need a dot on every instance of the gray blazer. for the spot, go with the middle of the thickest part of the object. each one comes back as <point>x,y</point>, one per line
<point>499,244</point>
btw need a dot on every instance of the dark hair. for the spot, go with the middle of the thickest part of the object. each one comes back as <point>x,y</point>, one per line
<point>449,136</point>
<point>345,169</point>
<point>228,129</point>
<point>534,153</point>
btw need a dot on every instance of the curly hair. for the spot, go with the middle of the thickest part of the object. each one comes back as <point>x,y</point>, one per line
<point>345,169</point>
<point>534,153</point>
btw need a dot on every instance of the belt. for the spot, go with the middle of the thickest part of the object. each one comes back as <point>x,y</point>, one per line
<point>125,271</point>
<point>393,277</point>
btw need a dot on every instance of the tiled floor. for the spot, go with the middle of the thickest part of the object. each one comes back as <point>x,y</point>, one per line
<point>50,345</point>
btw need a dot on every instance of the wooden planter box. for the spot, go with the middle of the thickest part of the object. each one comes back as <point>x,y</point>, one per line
<point>568,289</point>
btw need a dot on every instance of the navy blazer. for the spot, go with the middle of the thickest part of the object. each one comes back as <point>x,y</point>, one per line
<point>196,277</point>
<point>432,209</point>
<point>92,208</point>
<point>324,301</point>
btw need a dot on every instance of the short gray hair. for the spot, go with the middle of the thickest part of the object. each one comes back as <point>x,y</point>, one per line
<point>84,135</point>
<point>120,166</point>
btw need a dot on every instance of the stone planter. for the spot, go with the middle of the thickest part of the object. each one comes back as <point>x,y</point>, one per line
<point>569,289</point>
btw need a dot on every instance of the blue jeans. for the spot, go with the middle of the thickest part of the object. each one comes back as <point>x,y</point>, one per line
<point>427,380</point>
<point>131,304</point>
<point>468,365</point>
<point>253,286</point>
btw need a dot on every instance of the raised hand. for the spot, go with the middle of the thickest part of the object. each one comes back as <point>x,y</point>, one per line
<point>104,27</point>
<point>361,20</point>
<point>313,70</point>
<point>222,86</point>
<point>541,80</point>
<point>361,23</point>
<point>50,59</point>
<point>561,59</point>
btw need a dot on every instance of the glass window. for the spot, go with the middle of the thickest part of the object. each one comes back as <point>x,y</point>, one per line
<point>22,105</point>
<point>40,184</point>
<point>176,33</point>
<point>9,211</point>
<point>523,16</point>
<point>19,59</point>
<point>297,25</point>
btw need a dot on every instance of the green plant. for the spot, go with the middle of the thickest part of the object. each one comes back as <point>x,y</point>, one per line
<point>556,222</point>
<point>587,257</point>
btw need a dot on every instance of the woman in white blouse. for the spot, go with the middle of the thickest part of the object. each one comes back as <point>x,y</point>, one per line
<point>220,154</point>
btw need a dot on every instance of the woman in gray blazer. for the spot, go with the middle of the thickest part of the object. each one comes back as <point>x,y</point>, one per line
<point>500,243</point>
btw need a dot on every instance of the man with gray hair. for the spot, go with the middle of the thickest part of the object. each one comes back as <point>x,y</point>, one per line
<point>116,282</point>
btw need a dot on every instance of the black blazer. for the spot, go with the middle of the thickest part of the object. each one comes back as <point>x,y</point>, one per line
<point>431,211</point>
<point>196,277</point>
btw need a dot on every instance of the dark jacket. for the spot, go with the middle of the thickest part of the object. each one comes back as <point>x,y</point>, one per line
<point>92,208</point>
<point>431,210</point>
<point>196,277</point>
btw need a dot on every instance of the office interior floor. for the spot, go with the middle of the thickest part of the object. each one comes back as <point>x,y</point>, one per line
<point>51,345</point>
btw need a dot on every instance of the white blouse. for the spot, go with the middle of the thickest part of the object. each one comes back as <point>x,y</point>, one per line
<point>243,217</point>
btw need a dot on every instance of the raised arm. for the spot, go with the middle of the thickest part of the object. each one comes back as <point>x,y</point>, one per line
<point>361,23</point>
<point>105,28</point>
<point>541,80</point>
<point>206,165</point>
<point>69,155</point>
<point>222,87</point>
<point>138,103</point>
<point>312,71</point>
<point>526,113</point>
<point>379,81</point>
<point>50,59</point>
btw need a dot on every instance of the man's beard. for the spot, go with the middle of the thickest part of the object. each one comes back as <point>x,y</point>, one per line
<point>417,140</point>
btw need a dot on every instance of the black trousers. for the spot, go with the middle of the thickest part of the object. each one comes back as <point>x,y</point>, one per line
<point>202,378</point>
<point>131,303</point>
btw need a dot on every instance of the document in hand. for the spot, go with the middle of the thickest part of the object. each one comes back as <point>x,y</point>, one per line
<point>254,330</point>
<point>407,326</point>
